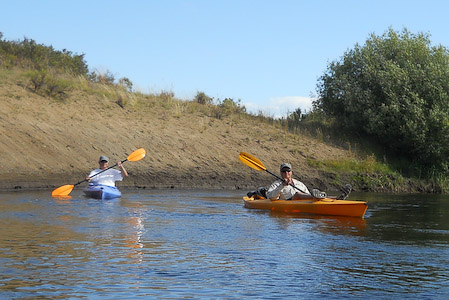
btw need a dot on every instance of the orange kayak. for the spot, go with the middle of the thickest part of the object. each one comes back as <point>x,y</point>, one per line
<point>325,206</point>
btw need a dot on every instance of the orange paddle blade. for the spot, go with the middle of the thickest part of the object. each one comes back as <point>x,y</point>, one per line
<point>252,161</point>
<point>137,155</point>
<point>63,190</point>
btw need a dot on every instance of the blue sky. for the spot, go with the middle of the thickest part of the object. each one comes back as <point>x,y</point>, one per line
<point>268,54</point>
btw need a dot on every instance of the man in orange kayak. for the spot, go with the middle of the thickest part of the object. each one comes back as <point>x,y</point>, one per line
<point>291,189</point>
<point>288,188</point>
<point>108,177</point>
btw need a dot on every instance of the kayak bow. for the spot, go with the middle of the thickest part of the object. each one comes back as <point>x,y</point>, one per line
<point>104,192</point>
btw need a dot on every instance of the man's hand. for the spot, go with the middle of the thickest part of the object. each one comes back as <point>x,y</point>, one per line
<point>287,181</point>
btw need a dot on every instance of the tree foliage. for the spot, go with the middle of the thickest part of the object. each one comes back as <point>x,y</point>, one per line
<point>393,90</point>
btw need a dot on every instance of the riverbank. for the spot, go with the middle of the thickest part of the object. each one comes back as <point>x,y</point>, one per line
<point>50,142</point>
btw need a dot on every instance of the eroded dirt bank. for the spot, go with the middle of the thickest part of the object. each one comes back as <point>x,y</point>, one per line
<point>46,143</point>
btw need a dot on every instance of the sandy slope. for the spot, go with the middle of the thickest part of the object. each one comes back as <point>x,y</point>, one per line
<point>45,143</point>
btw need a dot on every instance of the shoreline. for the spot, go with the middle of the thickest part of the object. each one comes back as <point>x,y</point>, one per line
<point>22,184</point>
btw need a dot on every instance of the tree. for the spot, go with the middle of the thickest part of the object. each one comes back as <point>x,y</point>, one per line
<point>393,90</point>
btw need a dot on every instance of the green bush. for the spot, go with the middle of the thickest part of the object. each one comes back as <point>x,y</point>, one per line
<point>104,78</point>
<point>37,79</point>
<point>202,98</point>
<point>47,84</point>
<point>57,87</point>
<point>29,54</point>
<point>126,83</point>
<point>394,90</point>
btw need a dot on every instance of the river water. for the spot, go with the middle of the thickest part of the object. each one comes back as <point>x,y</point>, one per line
<point>171,244</point>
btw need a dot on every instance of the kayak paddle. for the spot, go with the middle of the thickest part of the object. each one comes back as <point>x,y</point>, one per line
<point>256,164</point>
<point>65,190</point>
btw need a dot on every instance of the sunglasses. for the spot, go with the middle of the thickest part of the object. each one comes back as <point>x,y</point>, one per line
<point>285,171</point>
<point>104,161</point>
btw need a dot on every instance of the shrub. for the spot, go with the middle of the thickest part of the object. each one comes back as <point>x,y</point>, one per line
<point>202,98</point>
<point>104,78</point>
<point>48,84</point>
<point>231,106</point>
<point>126,83</point>
<point>37,79</point>
<point>56,87</point>
<point>29,54</point>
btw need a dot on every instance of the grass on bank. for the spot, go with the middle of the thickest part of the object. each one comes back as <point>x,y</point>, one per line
<point>367,173</point>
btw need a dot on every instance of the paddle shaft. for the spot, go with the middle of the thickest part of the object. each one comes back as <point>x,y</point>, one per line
<point>100,172</point>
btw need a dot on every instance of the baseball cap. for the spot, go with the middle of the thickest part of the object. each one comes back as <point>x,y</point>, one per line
<point>286,166</point>
<point>103,158</point>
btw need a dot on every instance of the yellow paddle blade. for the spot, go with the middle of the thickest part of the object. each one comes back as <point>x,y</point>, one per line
<point>137,155</point>
<point>252,161</point>
<point>63,190</point>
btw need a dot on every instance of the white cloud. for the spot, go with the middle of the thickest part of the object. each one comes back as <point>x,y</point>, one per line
<point>281,106</point>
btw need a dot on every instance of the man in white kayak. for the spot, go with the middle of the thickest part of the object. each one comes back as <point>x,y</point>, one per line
<point>108,177</point>
<point>283,189</point>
